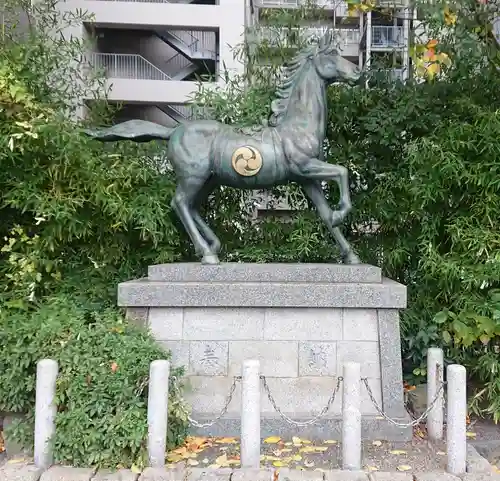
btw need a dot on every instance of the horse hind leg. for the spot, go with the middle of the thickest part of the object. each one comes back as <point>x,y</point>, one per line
<point>182,203</point>
<point>204,228</point>
<point>315,193</point>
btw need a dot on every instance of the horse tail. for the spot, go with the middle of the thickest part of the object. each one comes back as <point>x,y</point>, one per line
<point>133,130</point>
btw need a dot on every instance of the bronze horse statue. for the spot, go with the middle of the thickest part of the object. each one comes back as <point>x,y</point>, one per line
<point>206,154</point>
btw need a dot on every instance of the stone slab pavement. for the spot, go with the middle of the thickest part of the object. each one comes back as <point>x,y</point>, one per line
<point>23,471</point>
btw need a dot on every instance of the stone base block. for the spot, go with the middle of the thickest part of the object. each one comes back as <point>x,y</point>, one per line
<point>301,321</point>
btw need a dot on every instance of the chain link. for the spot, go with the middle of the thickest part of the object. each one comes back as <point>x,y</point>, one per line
<point>415,422</point>
<point>224,409</point>
<point>301,423</point>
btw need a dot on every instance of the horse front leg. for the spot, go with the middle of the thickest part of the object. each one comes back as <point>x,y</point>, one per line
<point>314,191</point>
<point>317,170</point>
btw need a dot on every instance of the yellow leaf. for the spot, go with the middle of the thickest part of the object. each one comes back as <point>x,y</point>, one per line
<point>297,457</point>
<point>432,70</point>
<point>226,440</point>
<point>135,469</point>
<point>288,443</point>
<point>16,460</point>
<point>286,450</point>
<point>330,441</point>
<point>313,449</point>
<point>397,451</point>
<point>272,440</point>
<point>403,467</point>
<point>222,461</point>
<point>269,458</point>
<point>470,435</point>
<point>305,441</point>
<point>296,441</point>
<point>371,468</point>
<point>377,443</point>
<point>279,464</point>
<point>174,458</point>
<point>192,462</point>
<point>450,18</point>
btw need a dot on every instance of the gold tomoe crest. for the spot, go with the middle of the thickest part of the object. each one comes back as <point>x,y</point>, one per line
<point>247,161</point>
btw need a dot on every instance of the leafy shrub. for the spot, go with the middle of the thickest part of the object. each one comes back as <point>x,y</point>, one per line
<point>102,384</point>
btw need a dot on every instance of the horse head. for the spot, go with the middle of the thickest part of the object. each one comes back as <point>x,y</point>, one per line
<point>330,65</point>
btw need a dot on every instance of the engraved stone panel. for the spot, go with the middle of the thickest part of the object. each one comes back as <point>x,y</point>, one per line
<point>209,358</point>
<point>317,359</point>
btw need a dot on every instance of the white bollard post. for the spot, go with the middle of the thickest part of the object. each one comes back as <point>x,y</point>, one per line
<point>250,414</point>
<point>159,372</point>
<point>435,372</point>
<point>45,411</point>
<point>456,419</point>
<point>351,417</point>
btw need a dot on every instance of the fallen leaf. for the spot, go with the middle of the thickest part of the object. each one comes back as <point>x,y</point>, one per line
<point>16,460</point>
<point>313,449</point>
<point>377,443</point>
<point>214,466</point>
<point>330,441</point>
<point>397,451</point>
<point>279,464</point>
<point>403,467</point>
<point>222,461</point>
<point>296,441</point>
<point>286,450</point>
<point>272,440</point>
<point>192,462</point>
<point>135,469</point>
<point>205,461</point>
<point>174,458</point>
<point>288,443</point>
<point>233,462</point>
<point>371,468</point>
<point>470,435</point>
<point>226,440</point>
<point>265,457</point>
<point>441,453</point>
<point>308,464</point>
<point>297,457</point>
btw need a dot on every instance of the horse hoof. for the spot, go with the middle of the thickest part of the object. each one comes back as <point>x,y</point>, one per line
<point>210,260</point>
<point>352,258</point>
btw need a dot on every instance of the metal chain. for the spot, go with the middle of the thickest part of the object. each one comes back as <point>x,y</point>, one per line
<point>224,409</point>
<point>415,422</point>
<point>302,423</point>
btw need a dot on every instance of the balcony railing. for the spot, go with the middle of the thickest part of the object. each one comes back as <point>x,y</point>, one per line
<point>126,66</point>
<point>293,36</point>
<point>387,36</point>
<point>339,6</point>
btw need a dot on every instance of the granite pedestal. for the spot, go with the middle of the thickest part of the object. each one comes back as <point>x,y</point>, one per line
<point>301,321</point>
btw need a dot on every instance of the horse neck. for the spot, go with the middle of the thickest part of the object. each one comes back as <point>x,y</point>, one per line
<point>307,104</point>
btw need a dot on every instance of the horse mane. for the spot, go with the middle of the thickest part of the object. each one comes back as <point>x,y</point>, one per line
<point>291,71</point>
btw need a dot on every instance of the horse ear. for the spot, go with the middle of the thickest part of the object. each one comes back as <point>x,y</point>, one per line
<point>326,40</point>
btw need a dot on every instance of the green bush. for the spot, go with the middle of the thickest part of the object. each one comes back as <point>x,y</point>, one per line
<point>102,385</point>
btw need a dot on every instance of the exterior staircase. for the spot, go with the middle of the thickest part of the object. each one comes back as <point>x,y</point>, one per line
<point>180,113</point>
<point>187,44</point>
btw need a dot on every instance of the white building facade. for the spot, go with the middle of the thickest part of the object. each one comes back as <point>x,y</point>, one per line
<point>155,52</point>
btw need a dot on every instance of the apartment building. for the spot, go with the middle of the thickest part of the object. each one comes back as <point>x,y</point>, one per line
<point>155,52</point>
